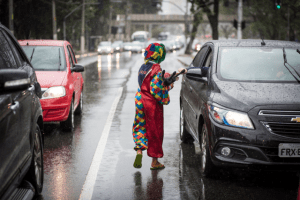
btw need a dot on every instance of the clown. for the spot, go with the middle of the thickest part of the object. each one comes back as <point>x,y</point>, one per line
<point>152,94</point>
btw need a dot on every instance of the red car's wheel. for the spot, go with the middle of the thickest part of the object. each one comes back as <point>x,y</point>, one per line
<point>68,125</point>
<point>79,107</point>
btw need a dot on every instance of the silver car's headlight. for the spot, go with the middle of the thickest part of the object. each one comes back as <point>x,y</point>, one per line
<point>108,49</point>
<point>230,117</point>
<point>54,92</point>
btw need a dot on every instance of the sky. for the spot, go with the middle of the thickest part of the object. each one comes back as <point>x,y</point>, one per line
<point>170,9</point>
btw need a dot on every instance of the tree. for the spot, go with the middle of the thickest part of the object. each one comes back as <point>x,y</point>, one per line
<point>272,23</point>
<point>211,9</point>
<point>196,21</point>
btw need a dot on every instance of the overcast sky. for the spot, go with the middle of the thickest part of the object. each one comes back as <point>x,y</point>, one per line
<point>170,9</point>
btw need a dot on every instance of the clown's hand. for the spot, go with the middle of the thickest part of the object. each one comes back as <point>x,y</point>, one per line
<point>168,81</point>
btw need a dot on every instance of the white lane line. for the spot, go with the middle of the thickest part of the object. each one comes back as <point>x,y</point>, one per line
<point>90,180</point>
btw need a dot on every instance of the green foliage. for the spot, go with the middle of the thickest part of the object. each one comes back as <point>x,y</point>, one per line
<point>272,23</point>
<point>33,18</point>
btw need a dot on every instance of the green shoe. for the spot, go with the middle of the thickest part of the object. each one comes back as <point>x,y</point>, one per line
<point>138,161</point>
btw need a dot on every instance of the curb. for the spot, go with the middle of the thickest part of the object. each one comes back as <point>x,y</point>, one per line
<point>80,56</point>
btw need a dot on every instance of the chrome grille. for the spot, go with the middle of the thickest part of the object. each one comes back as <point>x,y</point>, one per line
<point>279,113</point>
<point>285,129</point>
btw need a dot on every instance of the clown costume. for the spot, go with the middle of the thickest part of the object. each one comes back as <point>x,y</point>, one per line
<point>152,94</point>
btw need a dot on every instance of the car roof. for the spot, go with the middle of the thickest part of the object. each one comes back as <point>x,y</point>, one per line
<point>255,43</point>
<point>43,42</point>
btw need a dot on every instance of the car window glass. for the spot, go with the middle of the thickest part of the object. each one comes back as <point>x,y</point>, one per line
<point>70,59</point>
<point>53,61</point>
<point>199,57</point>
<point>16,51</point>
<point>207,62</point>
<point>7,59</point>
<point>73,54</point>
<point>254,64</point>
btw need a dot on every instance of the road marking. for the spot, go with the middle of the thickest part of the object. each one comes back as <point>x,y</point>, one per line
<point>90,180</point>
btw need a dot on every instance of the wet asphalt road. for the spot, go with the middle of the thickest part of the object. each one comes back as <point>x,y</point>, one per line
<point>68,155</point>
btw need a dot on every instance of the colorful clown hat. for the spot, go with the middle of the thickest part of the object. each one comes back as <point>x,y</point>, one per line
<point>155,52</point>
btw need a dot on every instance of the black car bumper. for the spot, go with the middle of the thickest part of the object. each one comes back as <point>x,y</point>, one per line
<point>249,148</point>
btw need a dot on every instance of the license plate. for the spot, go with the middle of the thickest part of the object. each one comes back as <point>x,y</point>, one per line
<point>289,150</point>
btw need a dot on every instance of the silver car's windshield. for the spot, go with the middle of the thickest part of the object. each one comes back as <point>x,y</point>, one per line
<point>257,64</point>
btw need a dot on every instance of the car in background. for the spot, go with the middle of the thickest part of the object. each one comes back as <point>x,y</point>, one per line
<point>105,47</point>
<point>178,45</point>
<point>169,45</point>
<point>118,46</point>
<point>21,123</point>
<point>240,101</point>
<point>127,46</point>
<point>197,46</point>
<point>59,75</point>
<point>137,47</point>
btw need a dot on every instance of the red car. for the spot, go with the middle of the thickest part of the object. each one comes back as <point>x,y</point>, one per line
<point>59,75</point>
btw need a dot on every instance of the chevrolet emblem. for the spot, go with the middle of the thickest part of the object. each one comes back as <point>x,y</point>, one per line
<point>297,119</point>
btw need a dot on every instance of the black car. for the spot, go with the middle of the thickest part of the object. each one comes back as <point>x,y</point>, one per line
<point>244,111</point>
<point>21,123</point>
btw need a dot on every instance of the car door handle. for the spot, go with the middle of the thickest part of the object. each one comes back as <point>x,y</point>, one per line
<point>31,88</point>
<point>77,77</point>
<point>15,106</point>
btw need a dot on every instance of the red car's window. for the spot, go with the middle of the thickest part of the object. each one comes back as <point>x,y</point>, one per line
<point>70,59</point>
<point>72,53</point>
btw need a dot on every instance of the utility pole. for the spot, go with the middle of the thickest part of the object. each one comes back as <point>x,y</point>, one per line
<point>126,21</point>
<point>240,19</point>
<point>54,20</point>
<point>82,29</point>
<point>145,26</point>
<point>185,21</point>
<point>110,23</point>
<point>11,16</point>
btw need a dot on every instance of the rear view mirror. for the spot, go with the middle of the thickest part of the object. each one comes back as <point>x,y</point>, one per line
<point>13,79</point>
<point>77,68</point>
<point>195,74</point>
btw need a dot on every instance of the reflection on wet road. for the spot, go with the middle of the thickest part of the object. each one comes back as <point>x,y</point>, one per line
<point>68,155</point>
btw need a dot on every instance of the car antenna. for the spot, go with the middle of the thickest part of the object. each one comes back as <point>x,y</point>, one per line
<point>263,42</point>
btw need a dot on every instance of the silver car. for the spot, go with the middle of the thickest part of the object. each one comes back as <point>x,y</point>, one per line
<point>105,47</point>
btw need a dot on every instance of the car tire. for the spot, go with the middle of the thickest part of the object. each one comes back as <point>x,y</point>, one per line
<point>207,167</point>
<point>80,105</point>
<point>68,125</point>
<point>35,175</point>
<point>184,135</point>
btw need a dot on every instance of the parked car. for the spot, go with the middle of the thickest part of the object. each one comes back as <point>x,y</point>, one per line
<point>245,109</point>
<point>21,123</point>
<point>136,47</point>
<point>118,46</point>
<point>105,47</point>
<point>60,78</point>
